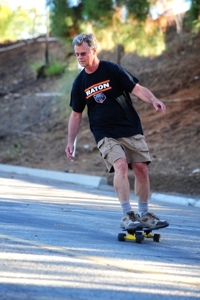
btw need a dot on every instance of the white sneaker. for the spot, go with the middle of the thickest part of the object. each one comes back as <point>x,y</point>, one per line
<point>129,220</point>
<point>151,221</point>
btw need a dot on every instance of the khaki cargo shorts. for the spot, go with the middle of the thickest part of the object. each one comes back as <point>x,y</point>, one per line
<point>133,148</point>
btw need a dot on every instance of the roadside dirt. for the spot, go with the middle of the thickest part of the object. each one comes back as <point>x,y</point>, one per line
<point>33,132</point>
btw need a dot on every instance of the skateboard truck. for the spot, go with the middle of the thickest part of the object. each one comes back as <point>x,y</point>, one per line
<point>138,236</point>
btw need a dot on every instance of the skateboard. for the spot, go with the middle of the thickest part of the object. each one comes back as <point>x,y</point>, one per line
<point>139,235</point>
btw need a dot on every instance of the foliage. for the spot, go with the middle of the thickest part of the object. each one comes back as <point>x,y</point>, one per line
<point>17,24</point>
<point>139,9</point>
<point>36,65</point>
<point>195,10</point>
<point>98,12</point>
<point>12,23</point>
<point>194,15</point>
<point>68,21</point>
<point>65,20</point>
<point>113,22</point>
<point>53,69</point>
<point>133,37</point>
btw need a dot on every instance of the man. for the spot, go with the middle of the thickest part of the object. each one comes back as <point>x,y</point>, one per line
<point>104,87</point>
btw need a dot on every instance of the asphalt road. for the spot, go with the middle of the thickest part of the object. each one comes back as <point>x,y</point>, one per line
<point>59,241</point>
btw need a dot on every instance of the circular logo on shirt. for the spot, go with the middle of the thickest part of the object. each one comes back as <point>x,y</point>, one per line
<point>99,98</point>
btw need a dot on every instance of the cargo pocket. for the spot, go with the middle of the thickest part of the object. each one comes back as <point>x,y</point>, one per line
<point>140,143</point>
<point>105,145</point>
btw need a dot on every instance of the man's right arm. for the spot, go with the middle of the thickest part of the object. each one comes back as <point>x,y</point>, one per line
<point>73,128</point>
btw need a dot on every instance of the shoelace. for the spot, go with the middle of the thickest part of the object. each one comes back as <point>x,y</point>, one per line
<point>151,215</point>
<point>132,216</point>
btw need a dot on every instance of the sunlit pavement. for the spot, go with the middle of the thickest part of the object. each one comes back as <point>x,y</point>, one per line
<point>59,241</point>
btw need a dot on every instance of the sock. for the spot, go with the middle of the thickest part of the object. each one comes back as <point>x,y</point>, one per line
<point>142,208</point>
<point>126,207</point>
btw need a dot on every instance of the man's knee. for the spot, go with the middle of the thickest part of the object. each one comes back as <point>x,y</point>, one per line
<point>121,166</point>
<point>140,169</point>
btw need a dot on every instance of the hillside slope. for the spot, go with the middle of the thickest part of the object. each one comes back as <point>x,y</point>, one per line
<point>33,133</point>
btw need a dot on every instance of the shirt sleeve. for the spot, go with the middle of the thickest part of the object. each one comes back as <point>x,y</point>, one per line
<point>126,79</point>
<point>76,101</point>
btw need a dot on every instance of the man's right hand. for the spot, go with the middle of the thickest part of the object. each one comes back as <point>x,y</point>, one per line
<point>69,151</point>
<point>73,128</point>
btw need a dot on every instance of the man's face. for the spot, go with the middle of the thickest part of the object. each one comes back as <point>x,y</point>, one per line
<point>85,55</point>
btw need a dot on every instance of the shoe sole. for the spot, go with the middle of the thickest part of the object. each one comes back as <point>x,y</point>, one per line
<point>156,227</point>
<point>135,228</point>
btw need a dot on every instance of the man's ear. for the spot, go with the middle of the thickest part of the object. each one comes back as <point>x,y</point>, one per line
<point>95,50</point>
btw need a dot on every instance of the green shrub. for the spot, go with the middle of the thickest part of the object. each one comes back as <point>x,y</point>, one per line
<point>55,68</point>
<point>35,65</point>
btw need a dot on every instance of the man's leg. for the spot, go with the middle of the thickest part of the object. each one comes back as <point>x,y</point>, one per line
<point>142,190</point>
<point>121,182</point>
<point>142,185</point>
<point>122,188</point>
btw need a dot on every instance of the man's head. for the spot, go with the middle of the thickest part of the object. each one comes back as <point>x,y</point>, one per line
<point>85,38</point>
<point>85,48</point>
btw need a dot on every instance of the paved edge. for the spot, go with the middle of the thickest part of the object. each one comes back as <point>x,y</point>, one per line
<point>94,181</point>
<point>181,200</point>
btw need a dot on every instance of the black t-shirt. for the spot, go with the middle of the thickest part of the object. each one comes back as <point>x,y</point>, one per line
<point>99,91</point>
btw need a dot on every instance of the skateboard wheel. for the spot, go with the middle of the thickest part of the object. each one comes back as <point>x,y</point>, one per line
<point>139,233</point>
<point>121,237</point>
<point>139,238</point>
<point>157,238</point>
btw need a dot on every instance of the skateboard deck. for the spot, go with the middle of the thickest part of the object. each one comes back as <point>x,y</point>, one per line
<point>139,235</point>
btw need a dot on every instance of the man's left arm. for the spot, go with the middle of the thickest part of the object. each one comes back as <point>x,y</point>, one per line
<point>147,96</point>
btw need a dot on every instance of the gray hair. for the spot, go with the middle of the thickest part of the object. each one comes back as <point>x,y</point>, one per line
<point>89,38</point>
